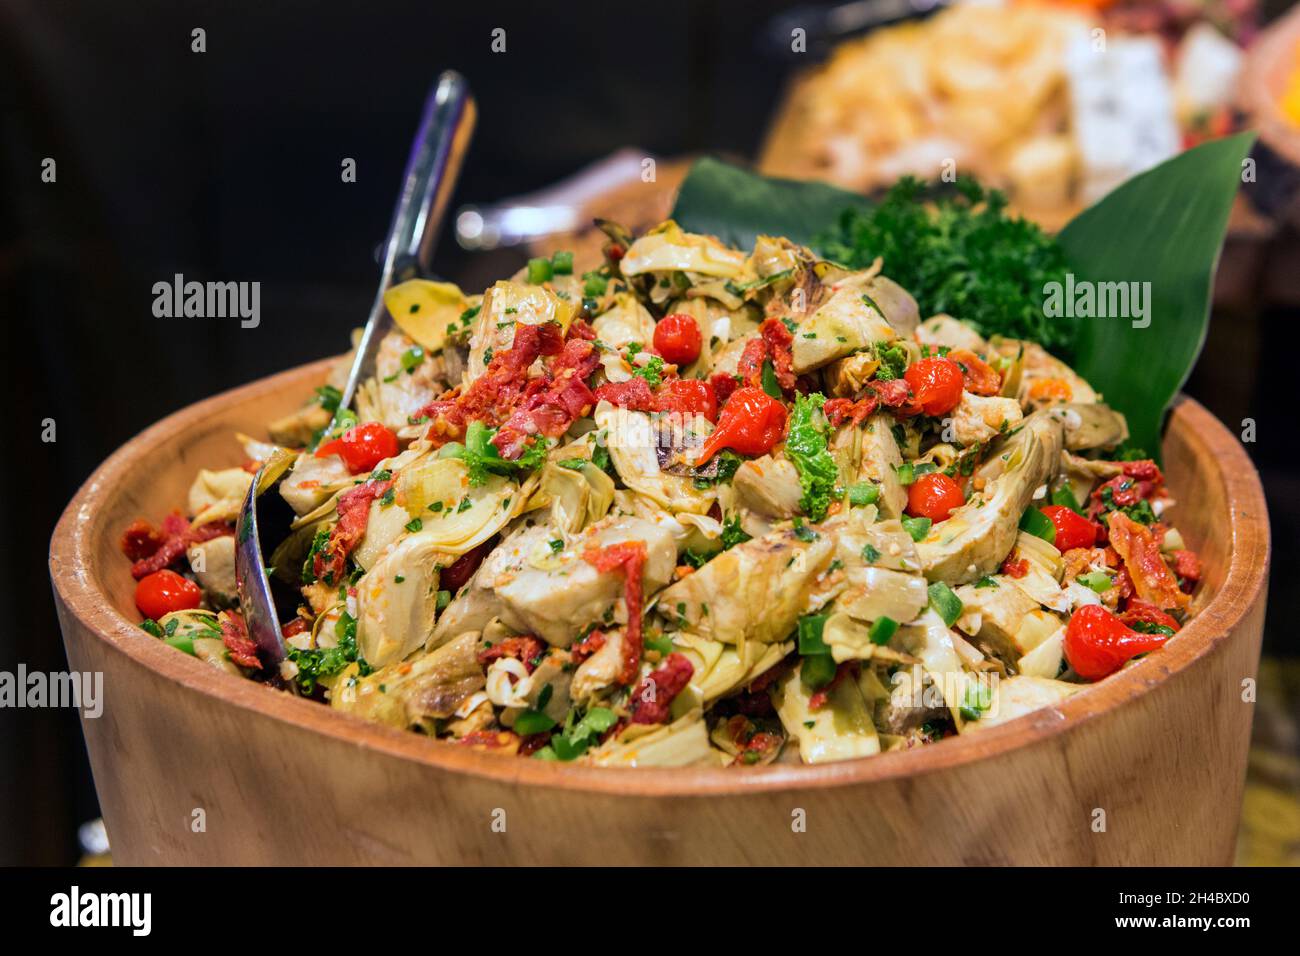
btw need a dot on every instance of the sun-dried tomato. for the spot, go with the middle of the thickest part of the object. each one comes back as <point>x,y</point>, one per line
<point>630,556</point>
<point>841,410</point>
<point>525,648</point>
<point>653,696</point>
<point>331,562</point>
<point>234,634</point>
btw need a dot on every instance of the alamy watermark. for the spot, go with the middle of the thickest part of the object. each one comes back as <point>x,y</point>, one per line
<point>208,300</point>
<point>1084,299</point>
<point>37,689</point>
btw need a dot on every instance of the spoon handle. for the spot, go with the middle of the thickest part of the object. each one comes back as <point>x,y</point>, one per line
<point>431,171</point>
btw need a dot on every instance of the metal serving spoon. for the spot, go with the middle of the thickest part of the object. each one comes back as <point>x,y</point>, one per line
<point>441,141</point>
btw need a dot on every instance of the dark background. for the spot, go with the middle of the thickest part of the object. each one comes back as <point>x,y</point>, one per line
<point>225,166</point>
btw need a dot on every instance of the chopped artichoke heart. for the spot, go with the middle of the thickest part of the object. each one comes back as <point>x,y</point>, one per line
<point>669,249</point>
<point>423,309</point>
<point>839,730</point>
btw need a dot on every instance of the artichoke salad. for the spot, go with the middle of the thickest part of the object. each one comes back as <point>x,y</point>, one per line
<point>695,506</point>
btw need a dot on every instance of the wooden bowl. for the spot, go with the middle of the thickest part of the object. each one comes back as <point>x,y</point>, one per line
<point>194,766</point>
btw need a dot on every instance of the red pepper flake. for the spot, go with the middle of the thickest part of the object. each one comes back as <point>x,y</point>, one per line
<point>654,695</point>
<point>525,648</point>
<point>630,556</point>
<point>234,634</point>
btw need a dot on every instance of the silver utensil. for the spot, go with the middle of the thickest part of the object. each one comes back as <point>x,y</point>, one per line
<point>446,124</point>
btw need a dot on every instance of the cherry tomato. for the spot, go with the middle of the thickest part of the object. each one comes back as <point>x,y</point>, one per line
<point>677,338</point>
<point>362,447</point>
<point>1097,643</point>
<point>1073,530</point>
<point>751,422</point>
<point>936,384</point>
<point>165,591</point>
<point>934,496</point>
<point>688,395</point>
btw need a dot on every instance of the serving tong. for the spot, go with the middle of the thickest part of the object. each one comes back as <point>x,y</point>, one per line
<point>441,140</point>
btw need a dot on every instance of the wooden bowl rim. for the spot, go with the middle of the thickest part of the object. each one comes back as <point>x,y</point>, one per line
<point>79,590</point>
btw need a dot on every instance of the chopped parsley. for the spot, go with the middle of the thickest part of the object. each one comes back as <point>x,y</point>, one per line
<point>806,446</point>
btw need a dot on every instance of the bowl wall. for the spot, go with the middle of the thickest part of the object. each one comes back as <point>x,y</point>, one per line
<point>194,766</point>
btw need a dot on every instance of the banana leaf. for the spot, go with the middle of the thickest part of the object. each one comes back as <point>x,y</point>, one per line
<point>1164,227</point>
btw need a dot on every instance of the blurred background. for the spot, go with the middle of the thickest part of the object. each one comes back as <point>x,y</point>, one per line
<point>225,165</point>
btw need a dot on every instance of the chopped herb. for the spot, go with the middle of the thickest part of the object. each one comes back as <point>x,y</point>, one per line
<point>732,533</point>
<point>652,372</point>
<point>803,532</point>
<point>870,553</point>
<point>986,582</point>
<point>411,359</point>
<point>316,664</point>
<point>328,397</point>
<point>955,248</point>
<point>415,524</point>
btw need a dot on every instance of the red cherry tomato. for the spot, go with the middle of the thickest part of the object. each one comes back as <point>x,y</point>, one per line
<point>1073,530</point>
<point>1097,643</point>
<point>751,422</point>
<point>936,384</point>
<point>165,591</point>
<point>677,338</point>
<point>362,447</point>
<point>688,396</point>
<point>934,496</point>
